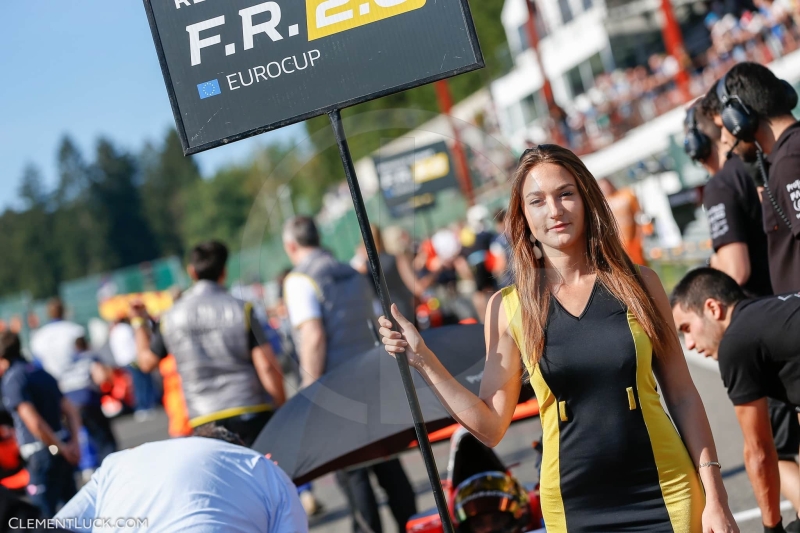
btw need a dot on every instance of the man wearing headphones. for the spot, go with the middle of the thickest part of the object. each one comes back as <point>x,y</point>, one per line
<point>731,202</point>
<point>756,106</point>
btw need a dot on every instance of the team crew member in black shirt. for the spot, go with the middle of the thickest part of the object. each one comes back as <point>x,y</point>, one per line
<point>731,202</point>
<point>757,106</point>
<point>757,344</point>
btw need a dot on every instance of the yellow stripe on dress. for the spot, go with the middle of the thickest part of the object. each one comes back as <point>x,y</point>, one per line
<point>680,484</point>
<point>550,479</point>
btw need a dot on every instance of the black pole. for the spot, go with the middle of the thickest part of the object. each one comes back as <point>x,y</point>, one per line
<point>383,294</point>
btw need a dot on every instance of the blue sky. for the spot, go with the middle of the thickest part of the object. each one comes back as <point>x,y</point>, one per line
<point>85,68</point>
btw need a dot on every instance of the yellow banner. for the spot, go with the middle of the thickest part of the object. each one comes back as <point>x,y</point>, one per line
<point>326,17</point>
<point>431,168</point>
<point>116,307</point>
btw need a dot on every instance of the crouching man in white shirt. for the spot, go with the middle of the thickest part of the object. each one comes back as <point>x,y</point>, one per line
<point>202,484</point>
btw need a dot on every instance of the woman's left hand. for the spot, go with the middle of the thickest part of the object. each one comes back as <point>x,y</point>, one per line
<point>717,518</point>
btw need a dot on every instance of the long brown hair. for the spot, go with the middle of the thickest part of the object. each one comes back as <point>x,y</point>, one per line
<point>604,249</point>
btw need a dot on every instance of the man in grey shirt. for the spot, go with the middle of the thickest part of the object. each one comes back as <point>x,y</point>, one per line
<point>229,373</point>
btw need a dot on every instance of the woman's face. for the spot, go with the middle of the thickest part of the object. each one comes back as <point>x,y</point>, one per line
<point>554,208</point>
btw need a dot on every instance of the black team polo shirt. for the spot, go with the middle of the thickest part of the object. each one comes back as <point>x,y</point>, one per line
<point>783,239</point>
<point>759,355</point>
<point>734,215</point>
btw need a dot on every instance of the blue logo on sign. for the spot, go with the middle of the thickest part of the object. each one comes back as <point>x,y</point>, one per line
<point>208,89</point>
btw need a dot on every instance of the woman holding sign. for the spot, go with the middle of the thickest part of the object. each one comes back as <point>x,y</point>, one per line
<point>591,331</point>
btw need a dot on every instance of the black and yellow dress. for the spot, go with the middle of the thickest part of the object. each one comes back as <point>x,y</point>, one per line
<point>613,461</point>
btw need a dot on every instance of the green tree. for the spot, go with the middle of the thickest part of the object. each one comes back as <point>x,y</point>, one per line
<point>220,208</point>
<point>165,179</point>
<point>73,179</point>
<point>10,266</point>
<point>221,205</point>
<point>30,247</point>
<point>117,206</point>
<point>31,190</point>
<point>79,231</point>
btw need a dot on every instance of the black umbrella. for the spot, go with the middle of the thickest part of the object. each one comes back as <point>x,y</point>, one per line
<point>359,412</point>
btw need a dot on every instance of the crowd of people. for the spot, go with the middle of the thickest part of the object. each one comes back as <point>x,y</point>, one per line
<point>626,98</point>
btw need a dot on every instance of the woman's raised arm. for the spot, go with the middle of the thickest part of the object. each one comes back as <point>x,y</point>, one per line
<point>488,415</point>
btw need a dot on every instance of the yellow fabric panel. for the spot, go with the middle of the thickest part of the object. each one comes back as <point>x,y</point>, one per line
<point>511,307</point>
<point>680,483</point>
<point>562,411</point>
<point>631,399</point>
<point>550,481</point>
<point>550,488</point>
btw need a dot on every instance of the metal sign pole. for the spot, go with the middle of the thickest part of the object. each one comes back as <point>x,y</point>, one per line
<point>383,293</point>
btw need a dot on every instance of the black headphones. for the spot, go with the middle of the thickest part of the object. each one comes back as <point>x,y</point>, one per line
<point>737,117</point>
<point>696,144</point>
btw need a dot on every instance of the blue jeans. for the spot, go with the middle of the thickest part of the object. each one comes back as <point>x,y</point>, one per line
<point>52,481</point>
<point>143,390</point>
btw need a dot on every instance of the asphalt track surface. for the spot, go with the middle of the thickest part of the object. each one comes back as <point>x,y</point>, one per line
<point>516,449</point>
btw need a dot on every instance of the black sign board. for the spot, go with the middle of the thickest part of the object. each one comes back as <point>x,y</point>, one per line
<point>237,68</point>
<point>409,180</point>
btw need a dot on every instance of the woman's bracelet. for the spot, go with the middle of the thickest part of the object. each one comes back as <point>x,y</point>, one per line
<point>710,463</point>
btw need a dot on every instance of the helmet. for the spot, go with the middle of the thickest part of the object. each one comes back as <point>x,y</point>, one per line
<point>496,500</point>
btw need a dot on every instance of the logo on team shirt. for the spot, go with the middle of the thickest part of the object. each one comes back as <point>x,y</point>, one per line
<point>789,296</point>
<point>718,221</point>
<point>794,195</point>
